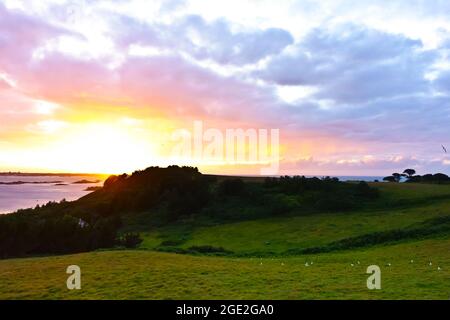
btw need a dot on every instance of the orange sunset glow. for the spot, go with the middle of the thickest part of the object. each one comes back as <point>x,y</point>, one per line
<point>102,87</point>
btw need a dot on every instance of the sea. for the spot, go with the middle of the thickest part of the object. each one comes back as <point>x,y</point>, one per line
<point>20,191</point>
<point>360,178</point>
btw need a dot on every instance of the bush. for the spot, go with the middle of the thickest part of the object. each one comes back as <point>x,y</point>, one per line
<point>365,191</point>
<point>171,243</point>
<point>232,187</point>
<point>24,234</point>
<point>335,202</point>
<point>277,204</point>
<point>208,249</point>
<point>429,228</point>
<point>130,240</point>
<point>438,178</point>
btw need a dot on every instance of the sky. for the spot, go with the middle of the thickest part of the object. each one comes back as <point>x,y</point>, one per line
<point>354,87</point>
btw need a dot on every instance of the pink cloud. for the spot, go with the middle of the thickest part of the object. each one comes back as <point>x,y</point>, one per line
<point>20,34</point>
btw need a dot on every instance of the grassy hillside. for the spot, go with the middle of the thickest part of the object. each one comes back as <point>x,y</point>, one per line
<point>409,205</point>
<point>151,275</point>
<point>249,240</point>
<point>281,234</point>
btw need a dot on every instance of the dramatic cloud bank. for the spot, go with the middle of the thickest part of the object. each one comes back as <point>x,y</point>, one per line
<point>355,89</point>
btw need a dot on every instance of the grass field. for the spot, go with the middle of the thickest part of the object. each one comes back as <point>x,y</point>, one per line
<point>148,274</point>
<point>151,275</point>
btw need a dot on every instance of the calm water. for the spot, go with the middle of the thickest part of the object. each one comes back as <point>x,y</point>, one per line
<point>18,196</point>
<point>360,178</point>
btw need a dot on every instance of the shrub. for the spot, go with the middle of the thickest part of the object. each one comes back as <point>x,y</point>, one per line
<point>335,202</point>
<point>277,204</point>
<point>232,187</point>
<point>130,240</point>
<point>365,191</point>
<point>171,243</point>
<point>208,249</point>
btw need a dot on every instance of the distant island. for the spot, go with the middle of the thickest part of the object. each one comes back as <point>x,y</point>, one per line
<point>93,188</point>
<point>30,182</point>
<point>43,174</point>
<point>84,181</point>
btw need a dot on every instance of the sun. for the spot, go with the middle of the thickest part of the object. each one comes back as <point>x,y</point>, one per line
<point>101,148</point>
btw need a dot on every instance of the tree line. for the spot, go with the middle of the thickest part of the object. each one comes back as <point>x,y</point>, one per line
<point>409,175</point>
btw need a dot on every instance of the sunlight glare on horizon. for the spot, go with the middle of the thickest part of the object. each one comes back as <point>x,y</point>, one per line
<point>92,148</point>
<point>103,149</point>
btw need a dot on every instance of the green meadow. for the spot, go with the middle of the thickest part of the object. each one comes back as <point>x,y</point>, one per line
<point>258,260</point>
<point>411,204</point>
<point>140,274</point>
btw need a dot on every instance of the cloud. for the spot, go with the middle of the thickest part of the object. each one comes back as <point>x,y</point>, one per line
<point>361,165</point>
<point>20,34</point>
<point>184,89</point>
<point>17,112</point>
<point>4,84</point>
<point>363,88</point>
<point>64,78</point>
<point>215,40</point>
<point>47,126</point>
<point>353,64</point>
<point>442,83</point>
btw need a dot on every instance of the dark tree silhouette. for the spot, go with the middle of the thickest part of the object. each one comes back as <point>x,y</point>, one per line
<point>389,179</point>
<point>409,172</point>
<point>440,178</point>
<point>397,176</point>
